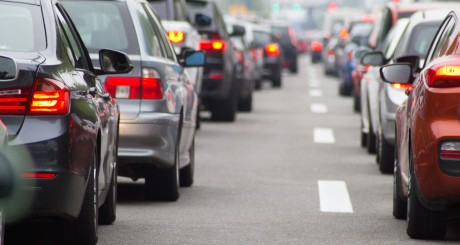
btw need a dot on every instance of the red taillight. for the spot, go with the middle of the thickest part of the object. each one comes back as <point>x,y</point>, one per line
<point>151,84</point>
<point>272,49</point>
<point>239,57</point>
<point>316,46</point>
<point>123,87</point>
<point>402,86</point>
<point>50,97</point>
<point>147,87</point>
<point>39,175</point>
<point>14,101</point>
<point>176,36</point>
<point>216,76</point>
<point>350,56</point>
<point>217,45</point>
<point>330,53</point>
<point>441,76</point>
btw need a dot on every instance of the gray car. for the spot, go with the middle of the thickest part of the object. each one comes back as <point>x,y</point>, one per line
<point>157,100</point>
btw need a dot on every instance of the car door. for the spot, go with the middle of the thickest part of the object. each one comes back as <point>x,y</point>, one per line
<point>104,106</point>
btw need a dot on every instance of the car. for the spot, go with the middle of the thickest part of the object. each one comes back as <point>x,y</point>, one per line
<point>426,179</point>
<point>384,23</point>
<point>413,42</point>
<point>357,75</point>
<point>182,35</point>
<point>54,106</point>
<point>220,91</point>
<point>287,40</point>
<point>158,103</point>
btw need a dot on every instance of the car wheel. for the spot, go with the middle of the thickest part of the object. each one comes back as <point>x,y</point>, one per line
<point>386,153</point>
<point>225,110</point>
<point>163,184</point>
<point>245,104</point>
<point>2,228</point>
<point>399,205</point>
<point>363,136</point>
<point>186,174</point>
<point>294,68</point>
<point>258,84</point>
<point>342,89</point>
<point>84,230</point>
<point>356,104</point>
<point>108,211</point>
<point>371,139</point>
<point>421,222</point>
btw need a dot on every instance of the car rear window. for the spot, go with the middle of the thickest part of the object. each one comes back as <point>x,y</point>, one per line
<point>21,28</point>
<point>161,8</point>
<point>104,24</point>
<point>261,39</point>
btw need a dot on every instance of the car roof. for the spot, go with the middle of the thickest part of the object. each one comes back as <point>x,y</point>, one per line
<point>33,2</point>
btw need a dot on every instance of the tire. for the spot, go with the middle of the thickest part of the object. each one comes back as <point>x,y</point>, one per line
<point>421,222</point>
<point>356,104</point>
<point>371,139</point>
<point>245,104</point>
<point>294,67</point>
<point>198,117</point>
<point>258,84</point>
<point>342,89</point>
<point>225,110</point>
<point>363,137</point>
<point>186,174</point>
<point>386,153</point>
<point>2,227</point>
<point>399,204</point>
<point>84,230</point>
<point>163,184</point>
<point>108,211</point>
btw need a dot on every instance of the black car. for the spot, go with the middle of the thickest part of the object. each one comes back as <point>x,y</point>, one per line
<point>288,42</point>
<point>220,85</point>
<point>54,106</point>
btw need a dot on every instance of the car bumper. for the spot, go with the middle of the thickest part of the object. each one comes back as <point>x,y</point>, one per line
<point>148,140</point>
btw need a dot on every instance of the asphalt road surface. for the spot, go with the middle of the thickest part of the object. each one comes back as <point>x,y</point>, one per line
<point>290,172</point>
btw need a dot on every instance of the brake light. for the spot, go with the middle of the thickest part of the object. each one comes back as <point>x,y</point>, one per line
<point>330,53</point>
<point>217,45</point>
<point>441,76</point>
<point>316,46</point>
<point>176,36</point>
<point>14,101</point>
<point>450,150</point>
<point>152,88</point>
<point>350,56</point>
<point>123,87</point>
<point>272,49</point>
<point>50,97</point>
<point>402,86</point>
<point>39,175</point>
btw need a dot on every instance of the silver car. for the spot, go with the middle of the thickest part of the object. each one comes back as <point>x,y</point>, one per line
<point>158,102</point>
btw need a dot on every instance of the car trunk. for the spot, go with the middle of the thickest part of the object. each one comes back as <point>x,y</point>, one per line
<point>11,90</point>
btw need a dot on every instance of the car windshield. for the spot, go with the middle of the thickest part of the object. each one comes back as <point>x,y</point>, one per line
<point>103,24</point>
<point>27,19</point>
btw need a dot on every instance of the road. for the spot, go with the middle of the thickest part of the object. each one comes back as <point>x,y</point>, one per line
<point>290,172</point>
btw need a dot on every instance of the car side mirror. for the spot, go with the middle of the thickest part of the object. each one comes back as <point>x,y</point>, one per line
<point>192,58</point>
<point>203,20</point>
<point>397,73</point>
<point>238,31</point>
<point>8,69</point>
<point>413,60</point>
<point>114,62</point>
<point>373,59</point>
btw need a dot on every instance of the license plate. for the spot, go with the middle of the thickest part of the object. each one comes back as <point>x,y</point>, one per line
<point>122,92</point>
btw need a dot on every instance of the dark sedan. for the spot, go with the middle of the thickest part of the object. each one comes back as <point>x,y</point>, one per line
<point>53,105</point>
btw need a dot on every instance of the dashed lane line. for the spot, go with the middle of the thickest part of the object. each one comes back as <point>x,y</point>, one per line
<point>323,136</point>
<point>318,108</point>
<point>315,92</point>
<point>334,197</point>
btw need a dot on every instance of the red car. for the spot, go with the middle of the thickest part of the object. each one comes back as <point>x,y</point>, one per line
<point>427,159</point>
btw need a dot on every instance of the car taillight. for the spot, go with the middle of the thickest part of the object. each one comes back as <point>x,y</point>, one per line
<point>217,45</point>
<point>330,53</point>
<point>152,87</point>
<point>147,87</point>
<point>316,46</point>
<point>39,175</point>
<point>239,57</point>
<point>442,76</point>
<point>272,49</point>
<point>176,36</point>
<point>350,56</point>
<point>450,150</point>
<point>14,101</point>
<point>402,86</point>
<point>50,97</point>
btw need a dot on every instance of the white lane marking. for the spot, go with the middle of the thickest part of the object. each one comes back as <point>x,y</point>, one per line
<point>314,84</point>
<point>323,136</point>
<point>315,92</point>
<point>318,108</point>
<point>334,197</point>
